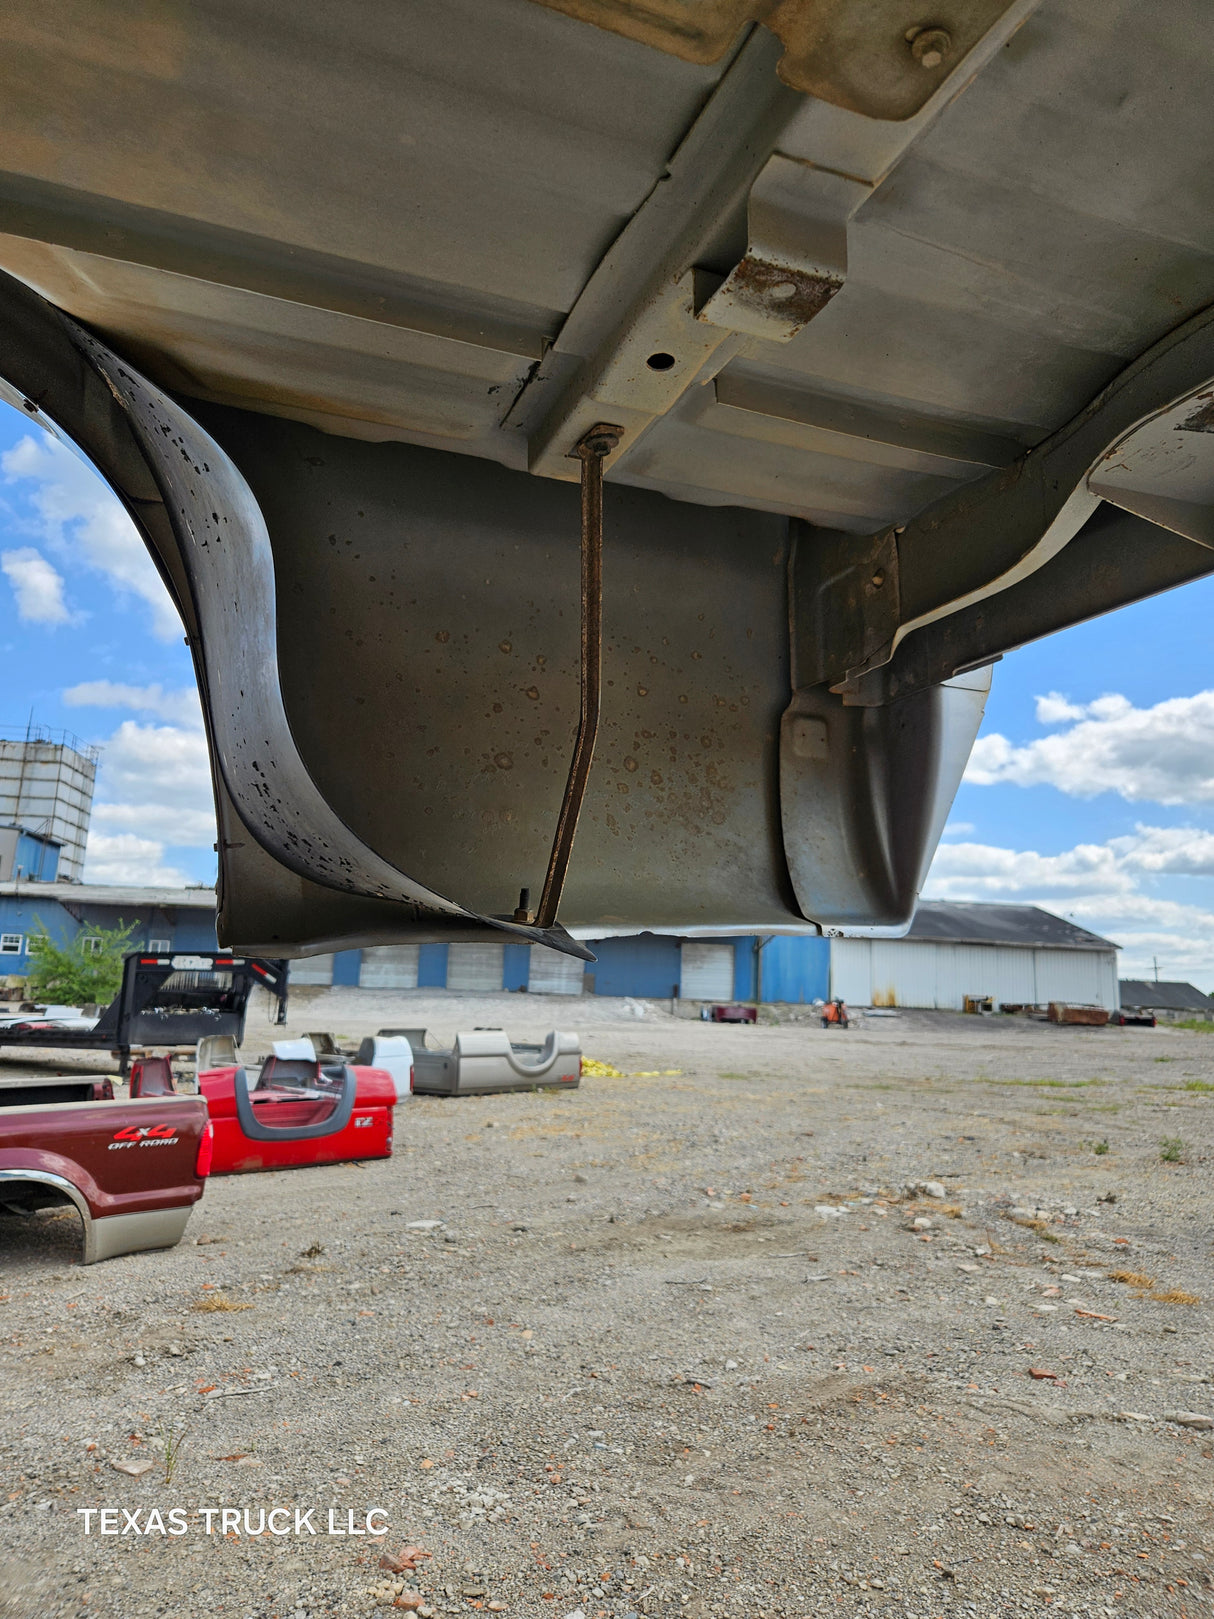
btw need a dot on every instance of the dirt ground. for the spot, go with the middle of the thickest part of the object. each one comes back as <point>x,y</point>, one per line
<point>910,1320</point>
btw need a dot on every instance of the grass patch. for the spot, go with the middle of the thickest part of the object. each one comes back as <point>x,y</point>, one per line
<point>1201,1085</point>
<point>1171,1149</point>
<point>1175,1295</point>
<point>1195,1025</point>
<point>1053,1084</point>
<point>1132,1278</point>
<point>1100,1148</point>
<point>1164,1059</point>
<point>215,1302</point>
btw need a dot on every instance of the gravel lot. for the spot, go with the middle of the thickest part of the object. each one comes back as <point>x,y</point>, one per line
<point>676,1345</point>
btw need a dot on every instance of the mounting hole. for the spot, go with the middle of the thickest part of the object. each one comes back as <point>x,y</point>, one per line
<point>782,291</point>
<point>661,361</point>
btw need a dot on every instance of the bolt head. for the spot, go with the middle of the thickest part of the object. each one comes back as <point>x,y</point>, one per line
<point>930,46</point>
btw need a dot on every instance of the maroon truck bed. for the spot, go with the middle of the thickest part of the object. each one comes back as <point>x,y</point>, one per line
<point>133,1170</point>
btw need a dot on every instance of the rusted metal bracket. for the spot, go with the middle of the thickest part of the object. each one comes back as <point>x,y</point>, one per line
<point>844,599</point>
<point>858,54</point>
<point>592,450</point>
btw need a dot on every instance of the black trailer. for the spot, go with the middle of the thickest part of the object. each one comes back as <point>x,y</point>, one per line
<point>171,1000</point>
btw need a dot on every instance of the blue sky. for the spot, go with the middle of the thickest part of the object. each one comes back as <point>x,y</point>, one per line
<point>1091,788</point>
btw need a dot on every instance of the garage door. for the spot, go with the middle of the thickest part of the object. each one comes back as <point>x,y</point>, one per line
<point>389,966</point>
<point>707,972</point>
<point>474,966</point>
<point>552,972</point>
<point>311,970</point>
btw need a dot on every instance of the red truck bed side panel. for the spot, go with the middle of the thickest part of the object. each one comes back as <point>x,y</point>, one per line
<point>124,1157</point>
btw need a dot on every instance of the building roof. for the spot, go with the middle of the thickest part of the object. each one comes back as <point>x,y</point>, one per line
<point>28,832</point>
<point>159,899</point>
<point>952,922</point>
<point>1166,996</point>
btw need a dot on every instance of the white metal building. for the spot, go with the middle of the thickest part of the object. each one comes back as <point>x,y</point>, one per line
<point>46,786</point>
<point>1014,954</point>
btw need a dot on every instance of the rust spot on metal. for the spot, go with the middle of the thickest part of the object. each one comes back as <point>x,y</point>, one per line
<point>853,53</point>
<point>792,295</point>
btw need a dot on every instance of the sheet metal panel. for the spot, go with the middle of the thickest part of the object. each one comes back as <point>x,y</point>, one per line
<point>706,972</point>
<point>914,973</point>
<point>312,970</point>
<point>646,964</point>
<point>796,970</point>
<point>903,973</point>
<point>851,971</point>
<point>392,966</point>
<point>552,973</point>
<point>1085,977</point>
<point>475,967</point>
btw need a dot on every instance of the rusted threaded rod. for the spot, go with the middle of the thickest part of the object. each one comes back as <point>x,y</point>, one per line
<point>592,450</point>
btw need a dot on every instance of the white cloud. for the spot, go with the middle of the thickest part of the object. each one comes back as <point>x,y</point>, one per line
<point>126,858</point>
<point>1164,754</point>
<point>182,705</point>
<point>168,822</point>
<point>153,788</point>
<point>36,585</point>
<point>1104,887</point>
<point>155,764</point>
<point>1054,708</point>
<point>83,519</point>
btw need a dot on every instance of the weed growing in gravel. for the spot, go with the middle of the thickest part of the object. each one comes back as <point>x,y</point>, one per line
<point>171,1441</point>
<point>1202,1085</point>
<point>1170,1149</point>
<point>215,1302</point>
<point>1175,1295</point>
<point>1039,1226</point>
<point>1196,1025</point>
<point>1164,1059</point>
<point>1131,1278</point>
<point>314,1251</point>
<point>1100,1147</point>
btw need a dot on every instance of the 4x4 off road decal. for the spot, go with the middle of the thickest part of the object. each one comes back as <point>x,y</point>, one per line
<point>147,1135</point>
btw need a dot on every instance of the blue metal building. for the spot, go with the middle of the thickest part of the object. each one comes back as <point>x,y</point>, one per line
<point>163,918</point>
<point>1010,953</point>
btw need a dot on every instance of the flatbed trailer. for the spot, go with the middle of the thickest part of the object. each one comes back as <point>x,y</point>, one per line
<point>164,1002</point>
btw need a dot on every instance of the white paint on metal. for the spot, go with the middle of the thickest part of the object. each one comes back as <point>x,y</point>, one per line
<point>707,972</point>
<point>390,966</point>
<point>553,973</point>
<point>938,975</point>
<point>311,970</point>
<point>475,967</point>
